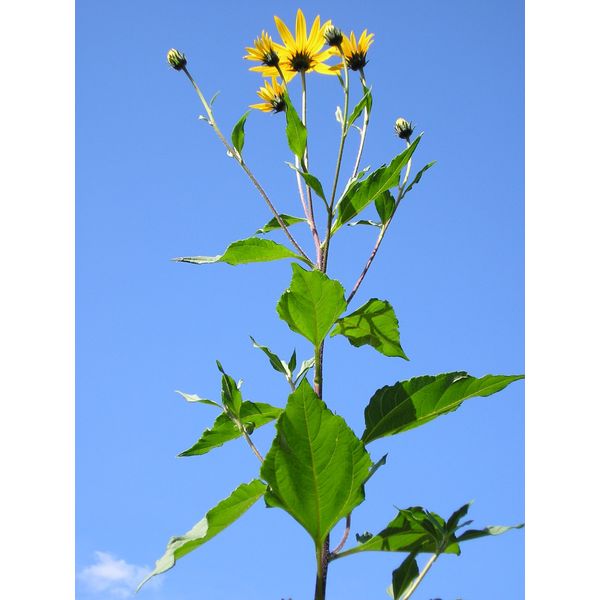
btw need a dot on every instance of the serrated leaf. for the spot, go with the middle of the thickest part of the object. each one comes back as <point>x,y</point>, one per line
<point>418,177</point>
<point>312,303</point>
<point>412,403</point>
<point>215,521</point>
<point>246,251</point>
<point>316,467</point>
<point>404,575</point>
<point>384,205</point>
<point>196,398</point>
<point>238,135</point>
<point>375,324</point>
<point>361,193</point>
<point>365,101</point>
<point>295,130</point>
<point>276,362</point>
<point>274,223</point>
<point>225,430</point>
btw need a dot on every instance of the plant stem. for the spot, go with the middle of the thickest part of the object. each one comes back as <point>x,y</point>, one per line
<point>245,167</point>
<point>344,537</point>
<point>311,214</point>
<point>252,446</point>
<point>363,131</point>
<point>381,235</point>
<point>415,584</point>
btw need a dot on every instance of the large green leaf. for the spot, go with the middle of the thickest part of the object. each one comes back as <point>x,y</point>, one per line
<point>316,467</point>
<point>375,324</point>
<point>250,250</point>
<point>294,130</point>
<point>215,520</point>
<point>361,193</point>
<point>274,223</point>
<point>412,403</point>
<point>312,303</point>
<point>224,429</point>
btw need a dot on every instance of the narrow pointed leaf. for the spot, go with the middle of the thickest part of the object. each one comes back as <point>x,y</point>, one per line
<point>412,403</point>
<point>453,521</point>
<point>312,303</point>
<point>418,177</point>
<point>364,222</point>
<point>252,415</point>
<point>273,224</point>
<point>238,135</point>
<point>305,367</point>
<point>365,101</point>
<point>294,130</point>
<point>375,324</point>
<point>473,534</point>
<point>292,362</point>
<point>276,362</point>
<point>361,193</point>
<point>246,251</point>
<point>374,468</point>
<point>196,398</point>
<point>316,467</point>
<point>314,184</point>
<point>404,575</point>
<point>215,521</point>
<point>230,392</point>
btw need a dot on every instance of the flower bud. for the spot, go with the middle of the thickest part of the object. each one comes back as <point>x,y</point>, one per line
<point>333,36</point>
<point>176,59</point>
<point>403,128</point>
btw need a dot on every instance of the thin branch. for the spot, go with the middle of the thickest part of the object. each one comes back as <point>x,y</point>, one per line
<point>363,131</point>
<point>244,166</point>
<point>252,446</point>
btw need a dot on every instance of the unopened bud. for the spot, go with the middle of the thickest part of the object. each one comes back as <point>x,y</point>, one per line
<point>333,36</point>
<point>403,128</point>
<point>176,59</point>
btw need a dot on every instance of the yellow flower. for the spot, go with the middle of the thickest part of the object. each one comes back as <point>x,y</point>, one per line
<point>267,52</point>
<point>305,51</point>
<point>355,52</point>
<point>273,95</point>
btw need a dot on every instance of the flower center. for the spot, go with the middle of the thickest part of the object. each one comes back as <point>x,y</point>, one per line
<point>301,61</point>
<point>356,60</point>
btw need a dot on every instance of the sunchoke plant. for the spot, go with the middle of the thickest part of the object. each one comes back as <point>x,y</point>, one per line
<point>317,466</point>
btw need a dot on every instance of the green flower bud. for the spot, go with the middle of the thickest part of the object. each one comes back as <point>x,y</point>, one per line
<point>333,36</point>
<point>176,59</point>
<point>403,128</point>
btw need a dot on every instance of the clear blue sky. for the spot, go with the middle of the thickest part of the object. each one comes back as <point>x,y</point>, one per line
<point>154,183</point>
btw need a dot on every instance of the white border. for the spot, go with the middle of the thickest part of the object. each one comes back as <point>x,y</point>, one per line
<point>37,299</point>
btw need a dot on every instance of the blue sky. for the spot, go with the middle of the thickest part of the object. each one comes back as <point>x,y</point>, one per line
<point>153,183</point>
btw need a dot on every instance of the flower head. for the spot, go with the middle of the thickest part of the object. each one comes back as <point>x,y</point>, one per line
<point>355,52</point>
<point>333,36</point>
<point>273,95</point>
<point>267,52</point>
<point>304,53</point>
<point>403,128</point>
<point>176,59</point>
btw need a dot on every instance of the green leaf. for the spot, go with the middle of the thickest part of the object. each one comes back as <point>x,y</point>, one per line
<point>312,182</point>
<point>230,393</point>
<point>374,468</point>
<point>364,222</point>
<point>196,398</point>
<point>274,223</point>
<point>473,534</point>
<point>237,135</point>
<point>384,204</point>
<point>215,520</point>
<point>294,130</point>
<point>361,193</point>
<point>292,362</point>
<point>418,177</point>
<point>365,101</point>
<point>225,429</point>
<point>375,324</point>
<point>305,367</point>
<point>413,530</point>
<point>412,403</point>
<point>276,362</point>
<point>246,251</point>
<point>316,467</point>
<point>312,303</point>
<point>404,575</point>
